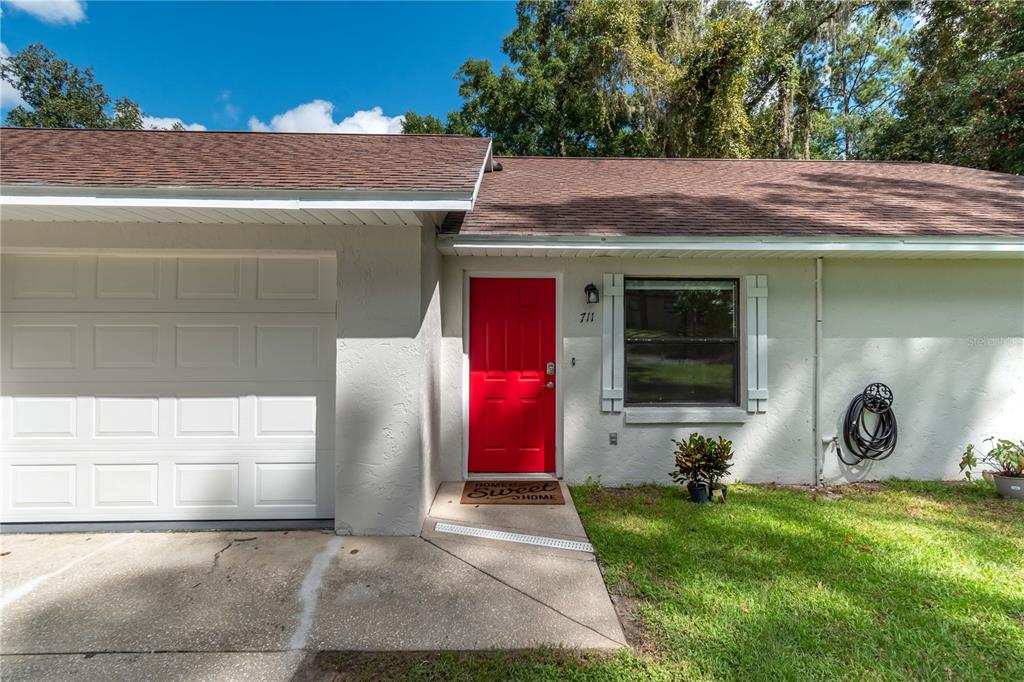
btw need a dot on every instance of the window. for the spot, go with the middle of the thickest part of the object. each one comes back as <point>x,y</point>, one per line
<point>681,342</point>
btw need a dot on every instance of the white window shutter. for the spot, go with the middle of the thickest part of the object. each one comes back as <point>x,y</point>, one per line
<point>612,343</point>
<point>757,343</point>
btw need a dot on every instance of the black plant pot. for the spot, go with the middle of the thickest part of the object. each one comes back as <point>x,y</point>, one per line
<point>699,491</point>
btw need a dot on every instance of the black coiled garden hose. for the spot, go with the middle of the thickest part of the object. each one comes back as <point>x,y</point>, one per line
<point>863,441</point>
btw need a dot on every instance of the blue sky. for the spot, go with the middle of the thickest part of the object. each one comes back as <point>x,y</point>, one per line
<point>238,65</point>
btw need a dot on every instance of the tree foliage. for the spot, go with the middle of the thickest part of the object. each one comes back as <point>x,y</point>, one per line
<point>631,78</point>
<point>964,102</point>
<point>864,69</point>
<point>844,79</point>
<point>58,94</point>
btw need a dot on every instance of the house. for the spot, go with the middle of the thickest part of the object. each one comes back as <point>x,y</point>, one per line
<point>219,326</point>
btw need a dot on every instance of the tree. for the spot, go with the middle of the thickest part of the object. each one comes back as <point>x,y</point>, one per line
<point>128,116</point>
<point>631,77</point>
<point>685,66</point>
<point>552,102</point>
<point>964,103</point>
<point>676,78</point>
<point>58,94</point>
<point>851,78</point>
<point>785,84</point>
<point>415,124</point>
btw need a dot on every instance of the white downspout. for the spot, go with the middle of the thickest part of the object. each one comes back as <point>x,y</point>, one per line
<point>816,440</point>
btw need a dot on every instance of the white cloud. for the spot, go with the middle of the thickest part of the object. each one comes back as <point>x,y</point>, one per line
<point>167,122</point>
<point>318,117</point>
<point>9,95</point>
<point>52,11</point>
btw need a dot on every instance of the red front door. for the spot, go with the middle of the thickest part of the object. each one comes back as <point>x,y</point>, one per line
<point>511,393</point>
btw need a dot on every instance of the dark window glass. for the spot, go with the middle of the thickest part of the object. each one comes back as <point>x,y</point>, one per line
<point>682,342</point>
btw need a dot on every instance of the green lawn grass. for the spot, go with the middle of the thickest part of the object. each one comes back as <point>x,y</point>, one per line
<point>897,581</point>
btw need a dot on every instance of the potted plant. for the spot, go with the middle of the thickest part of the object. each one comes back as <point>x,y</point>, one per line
<point>1006,459</point>
<point>701,463</point>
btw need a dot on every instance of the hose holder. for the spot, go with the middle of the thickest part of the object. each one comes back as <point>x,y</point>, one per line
<point>873,438</point>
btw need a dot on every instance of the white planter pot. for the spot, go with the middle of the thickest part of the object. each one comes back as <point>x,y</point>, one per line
<point>1009,487</point>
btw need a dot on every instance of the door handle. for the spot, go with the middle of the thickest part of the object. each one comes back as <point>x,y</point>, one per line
<point>551,384</point>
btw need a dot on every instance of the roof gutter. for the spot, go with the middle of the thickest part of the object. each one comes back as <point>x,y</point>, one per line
<point>98,197</point>
<point>601,246</point>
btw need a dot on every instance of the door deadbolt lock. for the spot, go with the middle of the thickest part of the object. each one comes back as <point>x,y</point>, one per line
<point>550,369</point>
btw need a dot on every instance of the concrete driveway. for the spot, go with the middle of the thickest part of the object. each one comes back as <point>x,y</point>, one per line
<point>254,605</point>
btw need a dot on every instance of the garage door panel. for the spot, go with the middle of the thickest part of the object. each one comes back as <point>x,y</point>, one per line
<point>206,485</point>
<point>32,487</point>
<point>151,282</point>
<point>126,346</point>
<point>128,277</point>
<point>184,485</point>
<point>289,279</point>
<point>41,346</point>
<point>209,278</point>
<point>285,417</point>
<point>111,421</point>
<point>77,347</point>
<point>207,417</point>
<point>126,417</point>
<point>126,485</point>
<point>285,484</point>
<point>41,277</point>
<point>92,458</point>
<point>53,417</point>
<point>207,346</point>
<point>288,347</point>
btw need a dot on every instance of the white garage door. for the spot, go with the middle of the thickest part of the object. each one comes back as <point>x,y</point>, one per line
<point>167,387</point>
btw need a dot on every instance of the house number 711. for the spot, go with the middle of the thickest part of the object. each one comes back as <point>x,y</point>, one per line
<point>586,317</point>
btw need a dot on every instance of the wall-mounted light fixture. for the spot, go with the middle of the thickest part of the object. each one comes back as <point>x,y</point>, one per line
<point>591,292</point>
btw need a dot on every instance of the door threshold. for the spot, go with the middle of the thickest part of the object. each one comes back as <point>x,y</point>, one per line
<point>507,536</point>
<point>511,476</point>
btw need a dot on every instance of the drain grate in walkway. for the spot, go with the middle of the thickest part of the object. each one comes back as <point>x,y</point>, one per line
<point>521,538</point>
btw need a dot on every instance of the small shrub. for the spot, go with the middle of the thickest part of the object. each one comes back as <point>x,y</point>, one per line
<point>1006,458</point>
<point>702,460</point>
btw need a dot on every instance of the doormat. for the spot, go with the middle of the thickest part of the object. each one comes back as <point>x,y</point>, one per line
<point>512,492</point>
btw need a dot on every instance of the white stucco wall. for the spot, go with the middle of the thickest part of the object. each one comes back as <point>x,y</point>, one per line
<point>771,446</point>
<point>379,385</point>
<point>949,388</point>
<point>946,336</point>
<point>386,465</point>
<point>430,382</point>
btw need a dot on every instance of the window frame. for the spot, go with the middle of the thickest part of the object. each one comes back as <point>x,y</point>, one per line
<point>737,341</point>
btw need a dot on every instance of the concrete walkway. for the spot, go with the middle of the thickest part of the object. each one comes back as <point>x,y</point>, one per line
<point>253,605</point>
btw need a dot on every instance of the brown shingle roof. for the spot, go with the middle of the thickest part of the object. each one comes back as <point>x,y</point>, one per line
<point>697,197</point>
<point>235,160</point>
